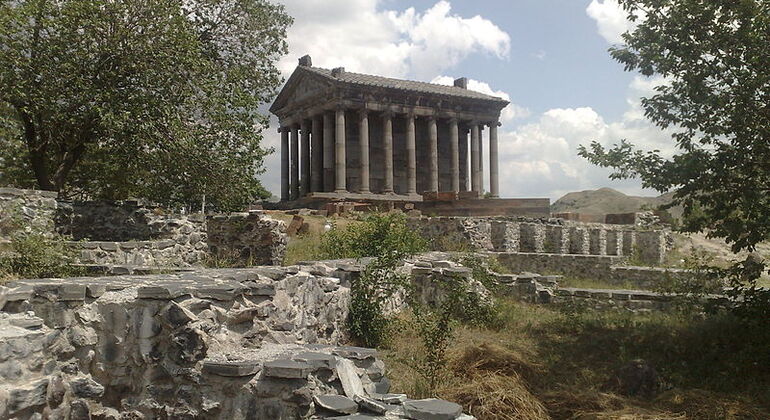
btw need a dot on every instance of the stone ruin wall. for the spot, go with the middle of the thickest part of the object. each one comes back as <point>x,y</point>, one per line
<point>543,236</point>
<point>255,343</point>
<point>133,234</point>
<point>26,209</point>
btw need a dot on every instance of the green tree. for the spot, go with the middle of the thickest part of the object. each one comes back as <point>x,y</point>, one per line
<point>714,56</point>
<point>156,99</point>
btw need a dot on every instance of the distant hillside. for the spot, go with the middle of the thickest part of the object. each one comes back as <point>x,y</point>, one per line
<point>604,201</point>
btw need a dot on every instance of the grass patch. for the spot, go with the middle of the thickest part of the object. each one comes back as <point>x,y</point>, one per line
<point>544,363</point>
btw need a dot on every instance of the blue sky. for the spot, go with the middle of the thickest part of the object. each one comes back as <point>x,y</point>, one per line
<point>549,57</point>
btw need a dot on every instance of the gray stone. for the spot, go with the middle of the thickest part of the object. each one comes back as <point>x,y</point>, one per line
<point>231,368</point>
<point>382,386</point>
<point>351,382</point>
<point>27,396</point>
<point>178,316</point>
<point>26,321</point>
<point>432,409</point>
<point>369,404</point>
<point>390,398</point>
<point>289,369</point>
<point>357,417</point>
<point>317,360</point>
<point>359,353</point>
<point>85,387</point>
<point>336,403</point>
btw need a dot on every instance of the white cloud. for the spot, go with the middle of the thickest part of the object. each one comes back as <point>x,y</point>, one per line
<point>610,19</point>
<point>540,158</point>
<point>356,35</point>
<point>508,114</point>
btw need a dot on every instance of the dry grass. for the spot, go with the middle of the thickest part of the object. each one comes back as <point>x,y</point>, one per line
<point>545,364</point>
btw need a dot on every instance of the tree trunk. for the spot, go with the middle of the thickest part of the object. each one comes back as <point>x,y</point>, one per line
<point>37,153</point>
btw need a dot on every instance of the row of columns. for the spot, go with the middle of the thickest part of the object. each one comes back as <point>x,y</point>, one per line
<point>328,160</point>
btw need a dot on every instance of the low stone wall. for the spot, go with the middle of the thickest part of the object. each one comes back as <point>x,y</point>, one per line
<point>183,252</point>
<point>582,266</point>
<point>256,343</point>
<point>645,277</point>
<point>607,268</point>
<point>544,289</point>
<point>552,236</point>
<point>250,238</point>
<point>26,210</point>
<point>122,221</point>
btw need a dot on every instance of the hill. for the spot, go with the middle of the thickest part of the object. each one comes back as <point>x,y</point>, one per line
<point>604,201</point>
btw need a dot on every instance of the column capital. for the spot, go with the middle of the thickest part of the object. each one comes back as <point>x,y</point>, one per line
<point>388,114</point>
<point>454,120</point>
<point>363,112</point>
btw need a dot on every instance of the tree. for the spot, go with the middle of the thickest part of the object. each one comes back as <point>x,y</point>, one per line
<point>714,56</point>
<point>156,99</point>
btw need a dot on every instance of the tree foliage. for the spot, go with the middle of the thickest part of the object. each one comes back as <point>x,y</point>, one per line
<point>158,99</point>
<point>714,59</point>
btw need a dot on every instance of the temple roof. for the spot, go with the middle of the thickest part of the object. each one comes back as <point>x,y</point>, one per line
<point>361,79</point>
<point>300,86</point>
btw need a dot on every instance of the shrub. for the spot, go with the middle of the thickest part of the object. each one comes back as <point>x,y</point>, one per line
<point>34,255</point>
<point>375,236</point>
<point>387,238</point>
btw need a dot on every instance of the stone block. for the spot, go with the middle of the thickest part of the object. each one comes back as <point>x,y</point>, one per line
<point>317,360</point>
<point>432,409</point>
<point>27,396</point>
<point>336,403</point>
<point>285,368</point>
<point>295,225</point>
<point>369,404</point>
<point>231,368</point>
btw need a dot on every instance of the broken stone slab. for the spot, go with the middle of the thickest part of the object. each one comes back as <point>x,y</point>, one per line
<point>95,290</point>
<point>336,403</point>
<point>369,404</point>
<point>317,360</point>
<point>178,316</point>
<point>357,417</point>
<point>351,352</point>
<point>60,291</point>
<point>231,368</point>
<point>165,292</point>
<point>351,382</point>
<point>382,386</point>
<point>432,409</point>
<point>26,321</point>
<point>288,369</point>
<point>389,398</point>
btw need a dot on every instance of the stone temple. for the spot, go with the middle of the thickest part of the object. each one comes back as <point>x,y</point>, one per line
<point>355,136</point>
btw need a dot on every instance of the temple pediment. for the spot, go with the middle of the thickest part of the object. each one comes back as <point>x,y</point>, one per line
<point>302,87</point>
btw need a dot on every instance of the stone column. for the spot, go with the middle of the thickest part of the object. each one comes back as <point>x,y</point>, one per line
<point>475,157</point>
<point>481,158</point>
<point>328,152</point>
<point>284,163</point>
<point>387,142</point>
<point>433,154</point>
<point>339,148</point>
<point>305,133</point>
<point>411,156</point>
<point>363,135</point>
<point>294,162</point>
<point>454,140</point>
<point>465,174</point>
<point>494,182</point>
<point>317,158</point>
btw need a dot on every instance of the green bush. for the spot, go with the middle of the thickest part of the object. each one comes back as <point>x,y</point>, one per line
<point>375,236</point>
<point>34,255</point>
<point>387,238</point>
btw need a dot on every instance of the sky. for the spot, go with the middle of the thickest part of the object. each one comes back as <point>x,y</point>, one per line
<point>548,57</point>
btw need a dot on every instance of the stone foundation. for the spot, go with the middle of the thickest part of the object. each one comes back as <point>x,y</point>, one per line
<point>256,343</point>
<point>26,209</point>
